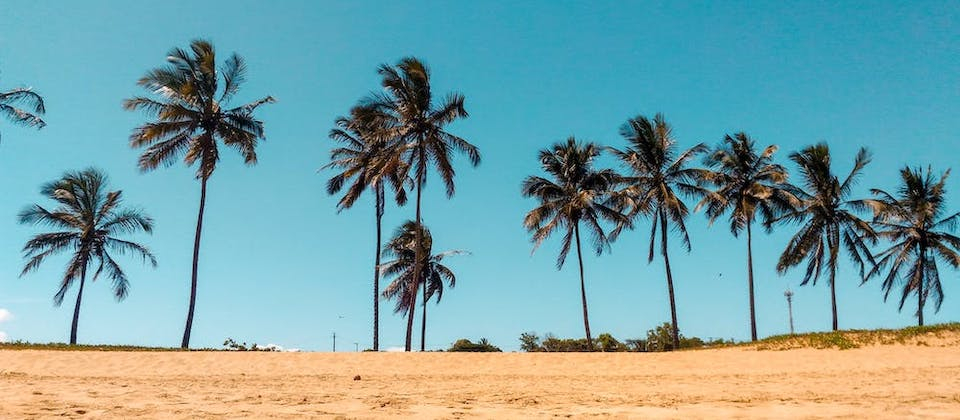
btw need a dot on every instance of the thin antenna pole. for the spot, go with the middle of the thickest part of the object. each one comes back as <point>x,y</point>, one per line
<point>789,295</point>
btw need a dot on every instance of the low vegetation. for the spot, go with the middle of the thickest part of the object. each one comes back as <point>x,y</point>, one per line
<point>482,346</point>
<point>657,339</point>
<point>945,334</point>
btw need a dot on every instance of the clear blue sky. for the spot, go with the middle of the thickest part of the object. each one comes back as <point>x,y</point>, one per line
<point>278,265</point>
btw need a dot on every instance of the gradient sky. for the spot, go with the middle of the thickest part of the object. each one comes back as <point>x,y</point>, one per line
<point>279,265</point>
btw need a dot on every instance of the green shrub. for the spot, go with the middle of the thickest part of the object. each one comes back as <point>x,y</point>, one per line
<point>465,345</point>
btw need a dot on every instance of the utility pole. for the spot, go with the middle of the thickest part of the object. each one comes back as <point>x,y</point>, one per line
<point>789,295</point>
<point>334,341</point>
<point>356,346</point>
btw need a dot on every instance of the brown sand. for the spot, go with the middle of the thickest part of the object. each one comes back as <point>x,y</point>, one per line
<point>894,381</point>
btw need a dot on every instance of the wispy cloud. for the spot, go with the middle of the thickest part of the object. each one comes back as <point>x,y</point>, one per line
<point>5,315</point>
<point>3,337</point>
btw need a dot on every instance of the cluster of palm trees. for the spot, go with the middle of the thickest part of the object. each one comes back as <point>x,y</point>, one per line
<point>392,139</point>
<point>743,183</point>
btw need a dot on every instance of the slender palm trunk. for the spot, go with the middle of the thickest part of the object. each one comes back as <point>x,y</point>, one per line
<point>76,308</point>
<point>666,262</point>
<point>196,259</point>
<point>923,259</point>
<point>423,321</point>
<point>376,272</point>
<point>583,288</point>
<point>416,270</point>
<point>833,294</point>
<point>753,315</point>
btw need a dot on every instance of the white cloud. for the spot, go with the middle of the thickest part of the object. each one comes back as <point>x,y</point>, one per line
<point>395,349</point>
<point>3,337</point>
<point>5,315</point>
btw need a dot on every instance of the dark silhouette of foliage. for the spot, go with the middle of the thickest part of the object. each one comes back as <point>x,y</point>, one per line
<point>12,103</point>
<point>465,345</point>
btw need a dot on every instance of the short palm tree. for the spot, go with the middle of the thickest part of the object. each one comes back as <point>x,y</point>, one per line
<point>746,182</point>
<point>419,123</point>
<point>87,221</point>
<point>828,219</point>
<point>369,162</point>
<point>574,196</point>
<point>658,174</point>
<point>913,221</point>
<point>191,118</point>
<point>30,117</point>
<point>403,248</point>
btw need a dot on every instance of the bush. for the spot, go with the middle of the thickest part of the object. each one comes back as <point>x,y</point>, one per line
<point>658,339</point>
<point>465,345</point>
<point>230,344</point>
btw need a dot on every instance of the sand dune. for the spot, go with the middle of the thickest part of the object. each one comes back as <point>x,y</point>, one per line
<point>895,381</point>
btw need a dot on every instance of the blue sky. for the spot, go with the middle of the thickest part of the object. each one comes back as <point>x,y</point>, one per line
<point>279,265</point>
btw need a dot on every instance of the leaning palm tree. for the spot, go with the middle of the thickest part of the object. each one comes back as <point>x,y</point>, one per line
<point>369,162</point>
<point>419,123</point>
<point>86,222</point>
<point>403,248</point>
<point>190,118</point>
<point>914,222</point>
<point>746,182</point>
<point>30,117</point>
<point>828,219</point>
<point>658,171</point>
<point>574,197</point>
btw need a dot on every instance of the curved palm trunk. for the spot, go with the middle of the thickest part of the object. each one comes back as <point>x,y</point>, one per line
<point>753,315</point>
<point>920,299</point>
<point>376,272</point>
<point>583,289</point>
<point>423,321</point>
<point>196,259</point>
<point>416,272</point>
<point>76,308</point>
<point>666,262</point>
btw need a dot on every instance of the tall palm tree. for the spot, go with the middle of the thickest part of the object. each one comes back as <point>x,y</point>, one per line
<point>658,171</point>
<point>86,222</point>
<point>403,248</point>
<point>746,182</point>
<point>190,118</point>
<point>368,161</point>
<point>913,221</point>
<point>574,196</point>
<point>419,123</point>
<point>828,219</point>
<point>30,117</point>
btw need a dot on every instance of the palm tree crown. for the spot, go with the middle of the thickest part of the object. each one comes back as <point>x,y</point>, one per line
<point>658,171</point>
<point>914,222</point>
<point>87,223</point>
<point>191,114</point>
<point>828,219</point>
<point>11,100</point>
<point>575,196</point>
<point>746,182</point>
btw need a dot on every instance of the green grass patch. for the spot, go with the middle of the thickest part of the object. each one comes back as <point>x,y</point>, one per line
<point>23,345</point>
<point>850,339</point>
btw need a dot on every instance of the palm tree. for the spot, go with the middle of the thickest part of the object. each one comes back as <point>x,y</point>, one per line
<point>369,162</point>
<point>416,121</point>
<point>576,194</point>
<point>86,222</point>
<point>746,182</point>
<point>828,219</point>
<point>190,118</point>
<point>403,248</point>
<point>11,99</point>
<point>914,222</point>
<point>657,173</point>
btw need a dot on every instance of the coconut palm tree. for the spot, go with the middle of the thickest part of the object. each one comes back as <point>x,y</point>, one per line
<point>30,117</point>
<point>746,182</point>
<point>418,122</point>
<point>87,223</point>
<point>914,222</point>
<point>403,248</point>
<point>574,196</point>
<point>828,219</point>
<point>191,117</point>
<point>370,162</point>
<point>658,174</point>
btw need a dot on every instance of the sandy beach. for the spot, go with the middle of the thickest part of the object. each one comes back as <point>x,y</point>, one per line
<point>893,381</point>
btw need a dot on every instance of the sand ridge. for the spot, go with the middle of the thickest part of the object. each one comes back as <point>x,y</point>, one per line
<point>893,381</point>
